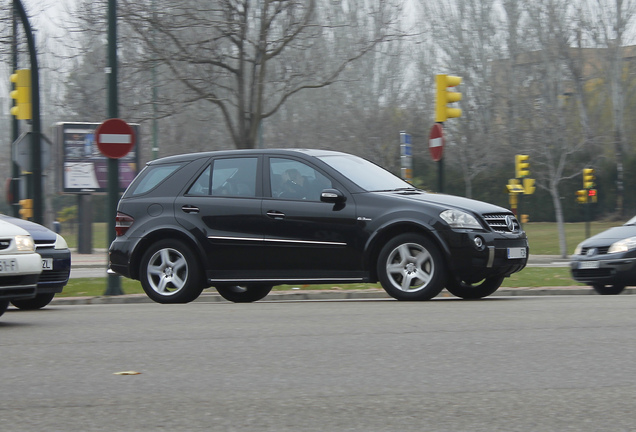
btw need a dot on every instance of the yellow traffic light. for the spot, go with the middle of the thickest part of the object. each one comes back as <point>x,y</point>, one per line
<point>525,218</point>
<point>588,178</point>
<point>581,196</point>
<point>443,97</point>
<point>26,208</point>
<point>528,186</point>
<point>592,196</point>
<point>522,166</point>
<point>22,94</point>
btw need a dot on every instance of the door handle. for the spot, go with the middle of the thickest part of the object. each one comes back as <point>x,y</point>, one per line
<point>190,209</point>
<point>275,214</point>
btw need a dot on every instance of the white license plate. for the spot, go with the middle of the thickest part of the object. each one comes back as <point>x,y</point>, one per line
<point>589,265</point>
<point>516,253</point>
<point>47,263</point>
<point>8,266</point>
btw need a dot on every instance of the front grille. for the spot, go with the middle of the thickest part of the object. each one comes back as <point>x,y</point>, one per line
<point>44,244</point>
<point>592,273</point>
<point>54,275</point>
<point>599,250</point>
<point>4,244</point>
<point>502,222</point>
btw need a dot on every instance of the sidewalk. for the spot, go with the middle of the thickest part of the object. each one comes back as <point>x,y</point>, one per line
<point>99,259</point>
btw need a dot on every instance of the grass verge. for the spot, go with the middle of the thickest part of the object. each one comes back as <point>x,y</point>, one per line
<point>531,277</point>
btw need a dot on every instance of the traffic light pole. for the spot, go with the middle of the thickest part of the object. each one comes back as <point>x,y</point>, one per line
<point>15,126</point>
<point>36,135</point>
<point>114,281</point>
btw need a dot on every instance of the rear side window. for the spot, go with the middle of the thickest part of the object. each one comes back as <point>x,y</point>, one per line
<point>151,177</point>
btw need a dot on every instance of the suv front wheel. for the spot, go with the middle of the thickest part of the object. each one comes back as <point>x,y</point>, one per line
<point>410,267</point>
<point>170,272</point>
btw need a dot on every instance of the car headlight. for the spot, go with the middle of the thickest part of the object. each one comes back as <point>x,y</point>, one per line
<point>459,219</point>
<point>623,245</point>
<point>60,243</point>
<point>578,249</point>
<point>24,243</point>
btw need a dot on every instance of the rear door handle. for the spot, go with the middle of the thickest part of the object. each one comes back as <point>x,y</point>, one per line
<point>275,214</point>
<point>190,209</point>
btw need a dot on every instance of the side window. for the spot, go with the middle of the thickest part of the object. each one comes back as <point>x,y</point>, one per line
<point>291,179</point>
<point>234,177</point>
<point>151,177</point>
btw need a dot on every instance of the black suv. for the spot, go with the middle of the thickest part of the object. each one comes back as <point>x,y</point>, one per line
<point>246,220</point>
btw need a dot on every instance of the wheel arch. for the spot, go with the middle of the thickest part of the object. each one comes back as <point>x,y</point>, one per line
<point>162,234</point>
<point>381,236</point>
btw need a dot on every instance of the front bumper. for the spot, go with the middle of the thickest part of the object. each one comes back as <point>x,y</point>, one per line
<point>475,255</point>
<point>55,279</point>
<point>21,284</point>
<point>604,270</point>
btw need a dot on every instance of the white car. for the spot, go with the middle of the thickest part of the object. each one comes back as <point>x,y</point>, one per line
<point>20,265</point>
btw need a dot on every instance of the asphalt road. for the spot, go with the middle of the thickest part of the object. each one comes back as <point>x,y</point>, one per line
<point>553,363</point>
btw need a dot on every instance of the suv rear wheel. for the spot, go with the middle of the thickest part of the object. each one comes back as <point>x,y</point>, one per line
<point>410,267</point>
<point>170,272</point>
<point>244,294</point>
<point>467,291</point>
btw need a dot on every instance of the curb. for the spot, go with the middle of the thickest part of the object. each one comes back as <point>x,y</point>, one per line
<point>212,297</point>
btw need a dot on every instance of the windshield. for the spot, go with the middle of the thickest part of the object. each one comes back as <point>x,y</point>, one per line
<point>365,174</point>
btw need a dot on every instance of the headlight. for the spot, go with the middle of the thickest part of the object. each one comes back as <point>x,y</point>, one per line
<point>459,219</point>
<point>24,243</point>
<point>60,243</point>
<point>578,249</point>
<point>623,245</point>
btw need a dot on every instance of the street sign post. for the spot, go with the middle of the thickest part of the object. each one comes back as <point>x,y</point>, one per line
<point>406,156</point>
<point>115,138</point>
<point>436,142</point>
<point>436,148</point>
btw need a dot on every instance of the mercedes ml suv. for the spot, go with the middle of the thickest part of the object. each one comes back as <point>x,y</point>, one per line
<point>244,221</point>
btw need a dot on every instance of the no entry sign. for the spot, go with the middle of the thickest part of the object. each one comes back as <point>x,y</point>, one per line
<point>436,142</point>
<point>115,138</point>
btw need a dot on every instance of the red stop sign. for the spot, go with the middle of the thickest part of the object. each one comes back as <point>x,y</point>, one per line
<point>436,142</point>
<point>115,138</point>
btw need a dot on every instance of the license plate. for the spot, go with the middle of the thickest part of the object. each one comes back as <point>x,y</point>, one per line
<point>516,253</point>
<point>47,263</point>
<point>589,265</point>
<point>8,266</point>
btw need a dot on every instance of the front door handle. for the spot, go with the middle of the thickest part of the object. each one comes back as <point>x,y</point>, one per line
<point>275,214</point>
<point>190,209</point>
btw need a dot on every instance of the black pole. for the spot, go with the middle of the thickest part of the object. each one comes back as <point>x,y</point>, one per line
<point>15,125</point>
<point>36,135</point>
<point>587,218</point>
<point>440,175</point>
<point>114,281</point>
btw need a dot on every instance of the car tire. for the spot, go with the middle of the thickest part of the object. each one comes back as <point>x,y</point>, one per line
<point>244,293</point>
<point>4,304</point>
<point>170,272</point>
<point>37,302</point>
<point>410,267</point>
<point>468,291</point>
<point>608,289</point>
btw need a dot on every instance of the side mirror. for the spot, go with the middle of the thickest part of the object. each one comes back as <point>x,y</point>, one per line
<point>333,196</point>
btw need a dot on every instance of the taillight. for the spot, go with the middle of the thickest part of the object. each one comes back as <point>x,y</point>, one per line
<point>122,223</point>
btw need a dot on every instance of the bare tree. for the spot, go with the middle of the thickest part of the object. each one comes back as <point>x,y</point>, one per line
<point>467,38</point>
<point>248,57</point>
<point>613,23</point>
